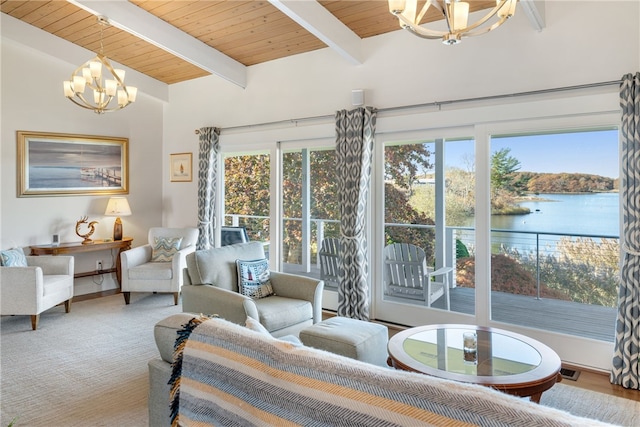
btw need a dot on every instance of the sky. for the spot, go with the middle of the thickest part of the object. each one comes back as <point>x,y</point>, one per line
<point>54,153</point>
<point>593,152</point>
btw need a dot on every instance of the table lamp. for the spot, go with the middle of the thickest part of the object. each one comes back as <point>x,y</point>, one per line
<point>117,206</point>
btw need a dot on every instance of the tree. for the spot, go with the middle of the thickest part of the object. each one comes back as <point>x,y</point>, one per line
<point>404,162</point>
<point>247,191</point>
<point>503,167</point>
<point>399,211</point>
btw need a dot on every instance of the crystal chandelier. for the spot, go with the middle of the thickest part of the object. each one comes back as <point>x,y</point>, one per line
<point>107,83</point>
<point>455,14</point>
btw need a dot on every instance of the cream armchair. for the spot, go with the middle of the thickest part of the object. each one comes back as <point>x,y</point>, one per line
<point>211,287</point>
<point>46,282</point>
<point>140,273</point>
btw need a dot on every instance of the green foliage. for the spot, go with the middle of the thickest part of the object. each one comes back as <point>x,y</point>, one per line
<point>565,182</point>
<point>507,275</point>
<point>324,198</point>
<point>403,163</point>
<point>247,192</point>
<point>461,249</point>
<point>503,166</point>
<point>459,196</point>
<point>399,211</point>
<point>584,270</point>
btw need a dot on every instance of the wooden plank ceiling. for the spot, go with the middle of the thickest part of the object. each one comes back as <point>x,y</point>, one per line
<point>251,32</point>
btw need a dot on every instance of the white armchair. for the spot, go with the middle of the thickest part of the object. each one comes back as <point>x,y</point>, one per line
<point>141,274</point>
<point>46,282</point>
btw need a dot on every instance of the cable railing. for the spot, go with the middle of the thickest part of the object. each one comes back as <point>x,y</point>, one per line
<point>581,267</point>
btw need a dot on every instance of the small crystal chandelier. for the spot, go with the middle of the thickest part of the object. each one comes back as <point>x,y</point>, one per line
<point>104,88</point>
<point>455,14</point>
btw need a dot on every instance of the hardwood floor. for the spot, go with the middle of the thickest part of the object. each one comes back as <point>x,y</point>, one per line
<point>598,381</point>
<point>95,295</point>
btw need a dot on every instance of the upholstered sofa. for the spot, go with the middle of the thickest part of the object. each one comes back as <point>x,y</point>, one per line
<point>246,377</point>
<point>210,286</point>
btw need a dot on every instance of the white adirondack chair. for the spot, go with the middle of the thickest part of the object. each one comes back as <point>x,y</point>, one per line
<point>329,270</point>
<point>406,275</point>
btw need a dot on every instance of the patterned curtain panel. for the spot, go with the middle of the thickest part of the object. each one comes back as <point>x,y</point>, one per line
<point>354,147</point>
<point>208,159</point>
<point>625,358</point>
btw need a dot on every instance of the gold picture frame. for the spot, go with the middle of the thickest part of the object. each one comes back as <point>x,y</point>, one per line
<point>181,167</point>
<point>62,164</point>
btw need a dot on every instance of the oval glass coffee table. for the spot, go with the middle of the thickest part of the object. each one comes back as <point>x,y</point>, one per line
<point>500,359</point>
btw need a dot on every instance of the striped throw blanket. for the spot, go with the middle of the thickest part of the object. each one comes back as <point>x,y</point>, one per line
<point>227,375</point>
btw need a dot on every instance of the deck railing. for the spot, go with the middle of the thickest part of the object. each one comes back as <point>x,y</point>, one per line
<point>546,255</point>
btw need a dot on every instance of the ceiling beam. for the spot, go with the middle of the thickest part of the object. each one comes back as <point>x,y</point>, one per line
<point>29,37</point>
<point>534,9</point>
<point>313,17</point>
<point>134,20</point>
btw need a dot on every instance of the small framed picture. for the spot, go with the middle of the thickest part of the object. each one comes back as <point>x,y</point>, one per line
<point>180,167</point>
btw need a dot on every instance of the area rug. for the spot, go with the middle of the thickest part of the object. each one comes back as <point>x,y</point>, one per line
<point>89,368</point>
<point>591,404</point>
<point>85,368</point>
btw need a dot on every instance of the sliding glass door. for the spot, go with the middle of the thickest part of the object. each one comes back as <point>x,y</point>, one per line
<point>426,256</point>
<point>521,214</point>
<point>247,194</point>
<point>555,222</point>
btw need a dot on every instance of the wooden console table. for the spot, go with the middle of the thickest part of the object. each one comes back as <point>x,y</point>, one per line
<point>77,248</point>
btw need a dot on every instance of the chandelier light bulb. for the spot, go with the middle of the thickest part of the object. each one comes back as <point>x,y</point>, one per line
<point>110,87</point>
<point>78,84</point>
<point>122,97</point>
<point>96,69</point>
<point>460,15</point>
<point>119,74</point>
<point>133,93</point>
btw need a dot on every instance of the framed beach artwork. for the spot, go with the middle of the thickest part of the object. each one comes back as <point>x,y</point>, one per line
<point>57,164</point>
<point>180,167</point>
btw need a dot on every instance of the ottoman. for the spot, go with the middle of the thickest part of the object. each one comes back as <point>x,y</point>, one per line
<point>353,338</point>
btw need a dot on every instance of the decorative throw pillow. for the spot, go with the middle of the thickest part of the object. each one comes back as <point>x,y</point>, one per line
<point>164,248</point>
<point>13,258</point>
<point>253,278</point>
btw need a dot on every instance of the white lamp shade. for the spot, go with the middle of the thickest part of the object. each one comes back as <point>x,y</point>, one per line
<point>68,89</point>
<point>118,206</point>
<point>133,92</point>
<point>110,87</point>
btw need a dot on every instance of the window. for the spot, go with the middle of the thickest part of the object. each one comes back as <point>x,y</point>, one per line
<point>310,208</point>
<point>247,194</point>
<point>429,204</point>
<point>555,229</point>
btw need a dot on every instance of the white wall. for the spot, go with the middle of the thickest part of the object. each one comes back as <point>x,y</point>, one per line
<point>32,100</point>
<point>581,44</point>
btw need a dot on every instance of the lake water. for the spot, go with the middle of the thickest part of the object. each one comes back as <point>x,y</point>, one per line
<point>63,177</point>
<point>564,214</point>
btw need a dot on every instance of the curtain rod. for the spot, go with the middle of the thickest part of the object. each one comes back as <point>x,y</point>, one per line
<point>437,103</point>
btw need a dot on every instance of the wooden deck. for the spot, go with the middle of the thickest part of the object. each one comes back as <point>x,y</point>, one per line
<point>584,320</point>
